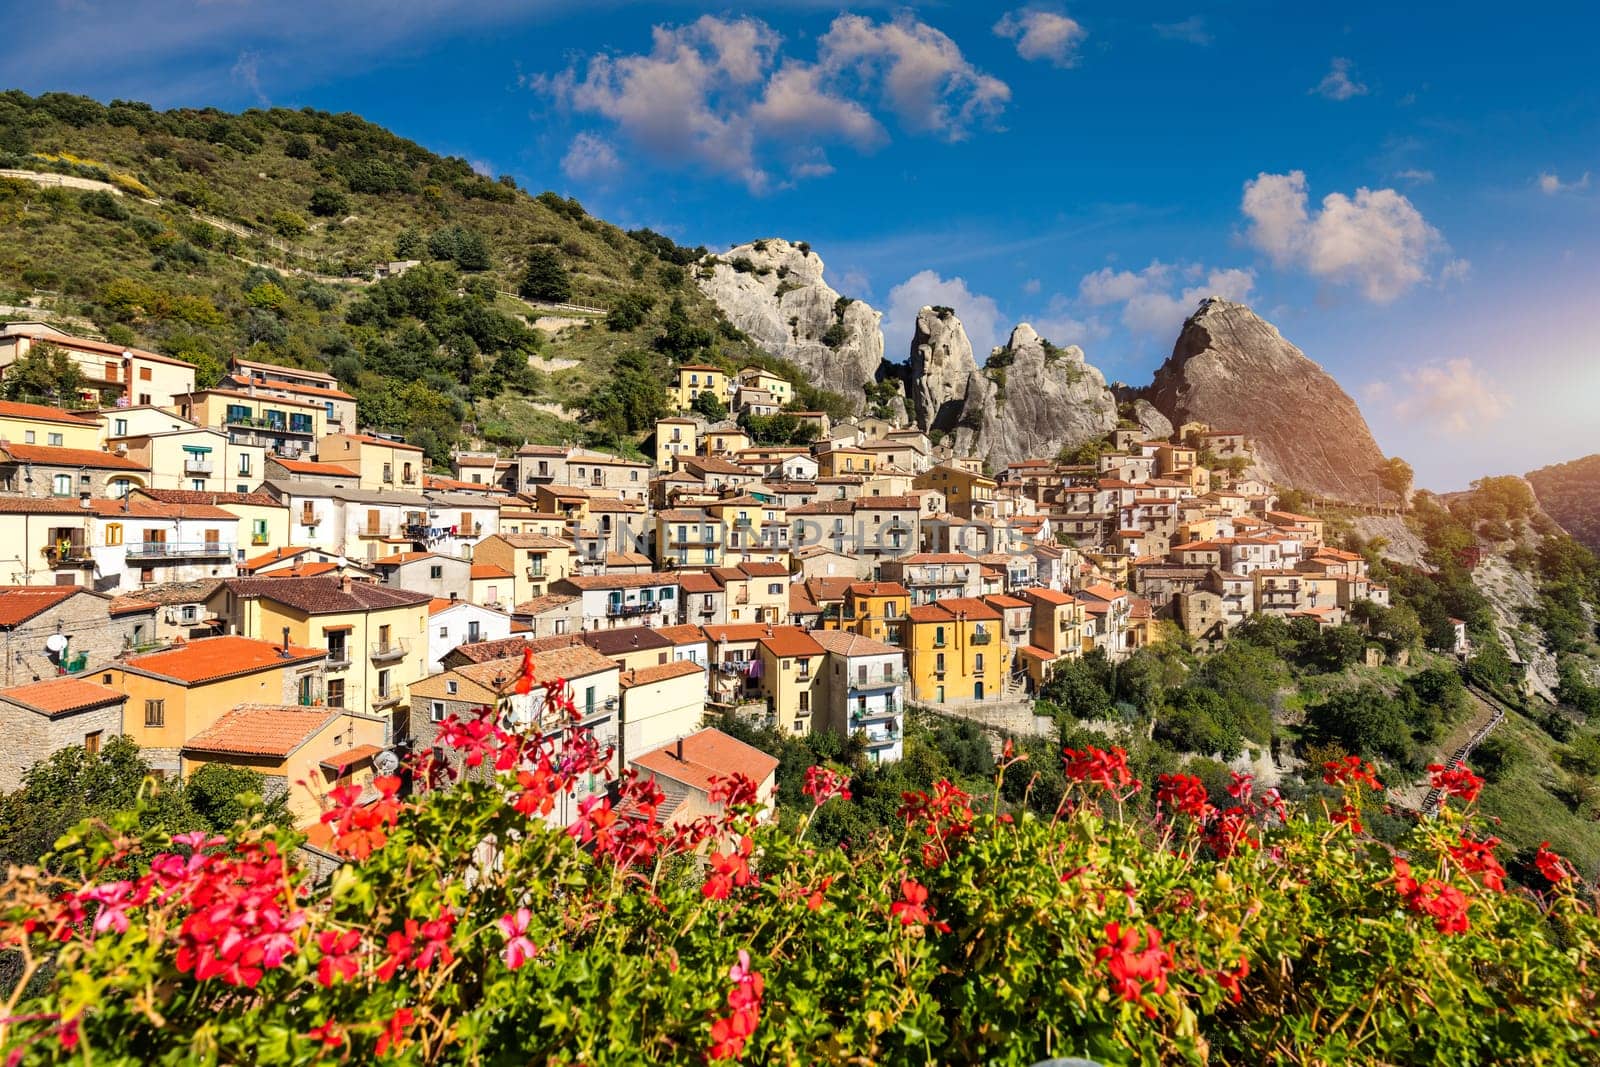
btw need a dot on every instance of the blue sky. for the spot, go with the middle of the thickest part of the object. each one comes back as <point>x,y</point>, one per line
<point>1412,196</point>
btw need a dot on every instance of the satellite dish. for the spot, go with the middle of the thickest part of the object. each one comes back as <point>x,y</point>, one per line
<point>386,762</point>
<point>56,643</point>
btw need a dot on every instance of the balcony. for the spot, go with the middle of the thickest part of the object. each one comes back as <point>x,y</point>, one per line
<point>889,709</point>
<point>198,465</point>
<point>338,658</point>
<point>535,573</point>
<point>982,637</point>
<point>157,550</point>
<point>880,681</point>
<point>883,740</point>
<point>625,611</point>
<point>259,539</point>
<point>67,554</point>
<point>385,700</point>
<point>390,652</point>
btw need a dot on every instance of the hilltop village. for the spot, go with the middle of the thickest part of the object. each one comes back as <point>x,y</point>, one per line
<point>242,574</point>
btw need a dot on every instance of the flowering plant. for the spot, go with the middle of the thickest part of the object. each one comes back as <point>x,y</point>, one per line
<point>467,926</point>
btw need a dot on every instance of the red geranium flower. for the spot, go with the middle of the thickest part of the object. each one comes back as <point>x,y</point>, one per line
<point>1552,866</point>
<point>1135,970</point>
<point>1455,781</point>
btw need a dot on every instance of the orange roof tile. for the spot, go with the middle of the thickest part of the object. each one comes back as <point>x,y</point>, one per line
<point>10,409</point>
<point>209,658</point>
<point>57,696</point>
<point>708,754</point>
<point>659,672</point>
<point>51,456</point>
<point>262,730</point>
<point>19,603</point>
<point>489,570</point>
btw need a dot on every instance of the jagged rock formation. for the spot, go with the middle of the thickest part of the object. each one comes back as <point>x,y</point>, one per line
<point>1029,400</point>
<point>774,291</point>
<point>1570,494</point>
<point>1156,426</point>
<point>941,365</point>
<point>1235,371</point>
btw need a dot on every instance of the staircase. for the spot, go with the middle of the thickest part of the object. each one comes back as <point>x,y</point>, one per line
<point>1431,802</point>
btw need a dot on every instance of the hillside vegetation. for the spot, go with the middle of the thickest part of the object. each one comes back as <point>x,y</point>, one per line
<point>256,234</point>
<point>1570,493</point>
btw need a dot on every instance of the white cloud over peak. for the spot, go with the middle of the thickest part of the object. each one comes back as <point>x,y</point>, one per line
<point>1337,84</point>
<point>590,158</point>
<point>1550,184</point>
<point>1043,35</point>
<point>721,93</point>
<point>1416,176</point>
<point>1155,301</point>
<point>1376,239</point>
<point>1450,395</point>
<point>979,314</point>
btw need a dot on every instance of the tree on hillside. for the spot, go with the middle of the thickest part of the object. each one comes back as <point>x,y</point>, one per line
<point>46,374</point>
<point>546,278</point>
<point>710,405</point>
<point>1395,475</point>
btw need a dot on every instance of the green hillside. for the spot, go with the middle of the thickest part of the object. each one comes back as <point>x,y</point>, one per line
<point>257,234</point>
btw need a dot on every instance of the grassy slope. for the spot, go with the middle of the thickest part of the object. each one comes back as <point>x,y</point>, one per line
<point>48,242</point>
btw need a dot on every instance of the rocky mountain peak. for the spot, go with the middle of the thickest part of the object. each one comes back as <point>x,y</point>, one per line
<point>1233,370</point>
<point>941,365</point>
<point>774,290</point>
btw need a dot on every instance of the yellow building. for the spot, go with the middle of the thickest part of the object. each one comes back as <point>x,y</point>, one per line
<point>375,636</point>
<point>307,750</point>
<point>380,463</point>
<point>689,539</point>
<point>956,651</point>
<point>726,442</point>
<point>201,458</point>
<point>758,530</point>
<point>842,462</point>
<point>532,560</point>
<point>877,610</point>
<point>696,378</point>
<point>1056,633</point>
<point>967,493</point>
<point>277,423</point>
<point>38,424</point>
<point>674,438</point>
<point>756,378</point>
<point>109,370</point>
<point>754,592</point>
<point>181,691</point>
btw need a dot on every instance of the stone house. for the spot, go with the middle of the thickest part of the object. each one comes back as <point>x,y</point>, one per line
<point>41,718</point>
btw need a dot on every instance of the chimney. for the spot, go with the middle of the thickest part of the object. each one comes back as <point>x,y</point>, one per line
<point>285,650</point>
<point>680,750</point>
<point>344,584</point>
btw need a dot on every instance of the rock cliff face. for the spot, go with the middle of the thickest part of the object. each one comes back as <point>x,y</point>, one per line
<point>941,365</point>
<point>1030,399</point>
<point>1235,371</point>
<point>1570,494</point>
<point>775,292</point>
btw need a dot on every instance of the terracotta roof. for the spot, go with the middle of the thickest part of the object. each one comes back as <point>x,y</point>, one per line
<point>627,639</point>
<point>764,570</point>
<point>129,605</point>
<point>538,604</point>
<point>828,589</point>
<point>800,602</point>
<point>877,589</point>
<point>627,559</point>
<point>504,647</point>
<point>58,696</point>
<point>326,595</point>
<point>10,409</point>
<point>306,466</point>
<point>296,387</point>
<point>262,730</point>
<point>972,607</point>
<point>1000,600</point>
<point>368,439</point>
<point>619,581</point>
<point>567,662</point>
<point>693,582</point>
<point>267,559</point>
<point>661,672</point>
<point>844,643</point>
<point>50,456</point>
<point>339,762</point>
<point>198,496</point>
<point>682,635</point>
<point>791,641</point>
<point>489,570</point>
<point>64,340</point>
<point>19,603</point>
<point>207,659</point>
<point>706,755</point>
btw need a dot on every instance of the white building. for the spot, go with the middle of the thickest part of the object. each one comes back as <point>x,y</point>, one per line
<point>864,686</point>
<point>458,622</point>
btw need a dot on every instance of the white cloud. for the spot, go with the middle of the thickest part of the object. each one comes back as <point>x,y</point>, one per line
<point>719,92</point>
<point>1043,35</point>
<point>1192,30</point>
<point>1337,84</point>
<point>1550,184</point>
<point>1032,286</point>
<point>979,314</point>
<point>1151,305</point>
<point>590,158</point>
<point>247,72</point>
<point>1455,270</point>
<point>1450,395</point>
<point>1377,239</point>
<point>1061,326</point>
<point>1416,176</point>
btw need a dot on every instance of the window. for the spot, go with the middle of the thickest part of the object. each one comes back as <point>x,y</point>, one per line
<point>197,484</point>
<point>588,700</point>
<point>113,534</point>
<point>238,413</point>
<point>144,374</point>
<point>300,421</point>
<point>155,713</point>
<point>61,485</point>
<point>450,687</point>
<point>435,571</point>
<point>436,711</point>
<point>144,398</point>
<point>335,692</point>
<point>189,613</point>
<point>56,440</point>
<point>977,662</point>
<point>805,702</point>
<point>244,463</point>
<point>938,663</point>
<point>28,437</point>
<point>91,742</point>
<point>383,684</point>
<point>338,648</point>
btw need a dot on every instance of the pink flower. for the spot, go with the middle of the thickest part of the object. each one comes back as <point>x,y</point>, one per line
<point>519,948</point>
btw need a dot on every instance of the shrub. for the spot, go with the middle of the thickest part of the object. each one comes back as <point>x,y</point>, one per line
<point>464,928</point>
<point>286,223</point>
<point>328,203</point>
<point>545,277</point>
